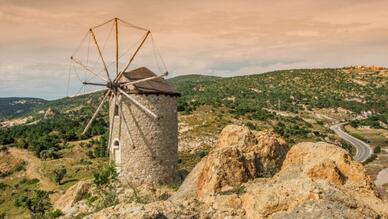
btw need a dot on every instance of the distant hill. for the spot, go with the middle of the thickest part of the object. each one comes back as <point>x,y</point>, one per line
<point>288,90</point>
<point>354,89</point>
<point>192,78</point>
<point>16,106</point>
<point>263,99</point>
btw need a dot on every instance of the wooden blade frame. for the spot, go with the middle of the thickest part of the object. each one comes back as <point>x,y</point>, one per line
<point>111,123</point>
<point>87,68</point>
<point>100,53</point>
<point>91,92</point>
<point>96,112</point>
<point>145,79</point>
<point>126,125</point>
<point>117,46</point>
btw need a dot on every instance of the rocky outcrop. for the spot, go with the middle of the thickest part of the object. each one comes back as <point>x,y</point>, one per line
<point>322,161</point>
<point>240,155</point>
<point>316,180</point>
<point>240,178</point>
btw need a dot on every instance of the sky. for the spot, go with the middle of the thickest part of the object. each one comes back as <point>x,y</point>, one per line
<point>222,38</point>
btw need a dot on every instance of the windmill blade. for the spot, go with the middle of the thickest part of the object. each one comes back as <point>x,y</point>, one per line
<point>95,113</point>
<point>100,53</point>
<point>112,123</point>
<point>146,79</point>
<point>87,68</point>
<point>133,56</point>
<point>126,124</point>
<point>86,93</point>
<point>133,100</point>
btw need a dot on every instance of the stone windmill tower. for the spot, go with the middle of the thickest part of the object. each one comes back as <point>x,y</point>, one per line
<point>142,118</point>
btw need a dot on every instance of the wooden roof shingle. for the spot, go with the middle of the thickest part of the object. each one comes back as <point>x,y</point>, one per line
<point>154,86</point>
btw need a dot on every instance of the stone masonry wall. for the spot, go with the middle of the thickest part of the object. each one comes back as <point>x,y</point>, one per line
<point>152,157</point>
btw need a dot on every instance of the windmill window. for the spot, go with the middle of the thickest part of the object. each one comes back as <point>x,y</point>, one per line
<point>116,111</point>
<point>116,144</point>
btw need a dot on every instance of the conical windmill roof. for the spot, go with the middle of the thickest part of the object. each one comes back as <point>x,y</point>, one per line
<point>154,86</point>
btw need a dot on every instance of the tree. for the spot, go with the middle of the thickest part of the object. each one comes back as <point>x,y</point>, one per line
<point>37,204</point>
<point>106,175</point>
<point>59,174</point>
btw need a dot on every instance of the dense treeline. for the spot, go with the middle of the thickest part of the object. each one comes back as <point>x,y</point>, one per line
<point>374,121</point>
<point>16,106</point>
<point>254,97</point>
<point>47,136</point>
<point>289,90</point>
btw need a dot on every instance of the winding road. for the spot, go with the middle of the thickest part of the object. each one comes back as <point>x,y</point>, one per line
<point>363,150</point>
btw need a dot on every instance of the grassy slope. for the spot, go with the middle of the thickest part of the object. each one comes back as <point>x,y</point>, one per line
<point>79,167</point>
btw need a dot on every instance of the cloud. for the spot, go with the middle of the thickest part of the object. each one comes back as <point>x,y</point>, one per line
<point>211,37</point>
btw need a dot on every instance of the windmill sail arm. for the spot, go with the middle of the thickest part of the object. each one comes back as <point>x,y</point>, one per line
<point>133,100</point>
<point>94,84</point>
<point>134,55</point>
<point>145,79</point>
<point>86,68</point>
<point>111,124</point>
<point>100,53</point>
<point>126,124</point>
<point>86,93</point>
<point>96,113</point>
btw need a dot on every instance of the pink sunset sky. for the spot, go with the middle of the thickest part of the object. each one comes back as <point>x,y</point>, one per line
<point>223,38</point>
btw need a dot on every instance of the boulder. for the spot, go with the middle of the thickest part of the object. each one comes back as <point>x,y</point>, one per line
<point>240,155</point>
<point>317,180</point>
<point>323,161</point>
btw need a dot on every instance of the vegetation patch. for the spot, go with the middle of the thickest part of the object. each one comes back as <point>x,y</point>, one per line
<point>20,166</point>
<point>239,190</point>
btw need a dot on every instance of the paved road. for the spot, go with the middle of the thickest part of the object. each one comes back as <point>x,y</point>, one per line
<point>363,150</point>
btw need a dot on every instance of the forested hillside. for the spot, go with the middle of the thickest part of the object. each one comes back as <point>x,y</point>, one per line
<point>16,106</point>
<point>289,90</point>
<point>259,100</point>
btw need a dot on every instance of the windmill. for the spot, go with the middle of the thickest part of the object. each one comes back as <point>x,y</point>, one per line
<point>142,112</point>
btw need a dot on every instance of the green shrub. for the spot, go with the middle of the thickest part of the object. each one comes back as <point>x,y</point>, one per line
<point>18,167</point>
<point>109,199</point>
<point>106,175</point>
<point>90,154</point>
<point>100,150</point>
<point>239,190</point>
<point>49,154</point>
<point>377,150</point>
<point>26,181</point>
<point>250,125</point>
<point>202,153</point>
<point>370,159</point>
<point>55,213</point>
<point>37,203</point>
<point>59,174</point>
<point>3,186</point>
